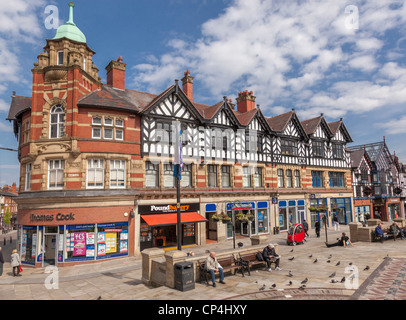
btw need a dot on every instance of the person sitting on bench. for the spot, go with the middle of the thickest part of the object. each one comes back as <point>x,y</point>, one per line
<point>379,233</point>
<point>212,266</point>
<point>271,256</point>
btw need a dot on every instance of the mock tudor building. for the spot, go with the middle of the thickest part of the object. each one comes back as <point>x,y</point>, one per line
<point>97,163</point>
<point>385,180</point>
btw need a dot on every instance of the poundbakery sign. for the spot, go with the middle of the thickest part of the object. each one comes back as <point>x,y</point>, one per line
<point>52,217</point>
<point>169,208</point>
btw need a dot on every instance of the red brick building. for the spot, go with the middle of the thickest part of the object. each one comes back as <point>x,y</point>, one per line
<point>97,162</point>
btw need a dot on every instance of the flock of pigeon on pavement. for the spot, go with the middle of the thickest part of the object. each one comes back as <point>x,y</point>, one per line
<point>304,281</point>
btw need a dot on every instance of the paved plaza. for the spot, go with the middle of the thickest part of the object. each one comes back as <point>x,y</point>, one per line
<point>367,271</point>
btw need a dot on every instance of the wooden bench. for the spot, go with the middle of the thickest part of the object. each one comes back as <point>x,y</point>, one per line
<point>227,263</point>
<point>249,260</point>
<point>376,238</point>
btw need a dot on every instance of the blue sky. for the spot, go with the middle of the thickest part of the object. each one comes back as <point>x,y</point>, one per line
<point>341,58</point>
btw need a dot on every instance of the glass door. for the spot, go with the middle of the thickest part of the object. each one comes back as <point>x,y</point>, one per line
<point>50,245</point>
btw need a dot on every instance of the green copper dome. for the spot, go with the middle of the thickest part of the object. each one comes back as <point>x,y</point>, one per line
<point>69,29</point>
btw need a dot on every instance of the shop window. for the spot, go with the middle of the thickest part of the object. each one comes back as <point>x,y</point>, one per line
<point>112,240</point>
<point>28,170</point>
<point>281,183</point>
<point>289,179</point>
<point>297,179</point>
<point>57,122</point>
<point>318,149</point>
<point>226,176</point>
<point>95,173</point>
<point>258,177</point>
<point>117,173</point>
<point>80,242</point>
<point>151,175</point>
<point>246,177</point>
<point>29,244</point>
<point>55,174</point>
<point>212,176</point>
<point>317,179</point>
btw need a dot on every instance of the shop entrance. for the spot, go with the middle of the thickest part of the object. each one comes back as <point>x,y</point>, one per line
<point>50,245</point>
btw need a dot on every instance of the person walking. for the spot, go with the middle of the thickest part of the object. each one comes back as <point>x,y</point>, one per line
<point>335,222</point>
<point>306,228</point>
<point>15,263</point>
<point>317,228</point>
<point>1,262</point>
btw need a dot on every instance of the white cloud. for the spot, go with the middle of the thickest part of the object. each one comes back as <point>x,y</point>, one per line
<point>396,126</point>
<point>289,51</point>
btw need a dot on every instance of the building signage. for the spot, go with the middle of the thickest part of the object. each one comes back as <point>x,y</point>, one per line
<point>168,208</point>
<point>52,217</point>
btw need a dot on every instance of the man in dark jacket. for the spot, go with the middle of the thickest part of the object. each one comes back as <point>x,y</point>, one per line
<point>271,256</point>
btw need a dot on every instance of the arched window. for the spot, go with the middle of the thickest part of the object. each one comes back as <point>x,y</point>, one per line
<point>57,122</point>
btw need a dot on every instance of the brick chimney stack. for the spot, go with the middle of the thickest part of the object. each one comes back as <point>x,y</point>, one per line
<point>14,188</point>
<point>245,101</point>
<point>116,73</point>
<point>188,85</point>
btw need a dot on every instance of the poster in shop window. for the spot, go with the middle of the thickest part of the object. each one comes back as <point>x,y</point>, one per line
<point>89,238</point>
<point>101,249</point>
<point>111,242</point>
<point>79,245</point>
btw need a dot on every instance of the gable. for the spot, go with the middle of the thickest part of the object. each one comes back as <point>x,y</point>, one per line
<point>291,130</point>
<point>320,133</point>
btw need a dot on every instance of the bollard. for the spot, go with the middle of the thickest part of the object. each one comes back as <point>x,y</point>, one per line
<point>11,239</point>
<point>4,241</point>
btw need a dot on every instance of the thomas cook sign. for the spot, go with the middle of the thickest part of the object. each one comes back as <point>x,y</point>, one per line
<point>52,217</point>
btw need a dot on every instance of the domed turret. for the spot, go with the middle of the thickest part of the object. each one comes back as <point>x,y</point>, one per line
<point>69,30</point>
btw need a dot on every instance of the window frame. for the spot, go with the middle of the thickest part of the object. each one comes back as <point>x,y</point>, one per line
<point>28,174</point>
<point>280,178</point>
<point>56,186</point>
<point>151,169</point>
<point>317,179</point>
<point>212,172</point>
<point>246,176</point>
<point>100,168</point>
<point>121,169</point>
<point>60,125</point>
<point>317,150</point>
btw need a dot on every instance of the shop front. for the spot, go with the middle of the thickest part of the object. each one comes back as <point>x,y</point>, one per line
<point>158,228</point>
<point>59,237</point>
<point>342,208</point>
<point>291,212</point>
<point>259,223</point>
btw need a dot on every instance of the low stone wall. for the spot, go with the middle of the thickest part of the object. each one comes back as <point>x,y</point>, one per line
<point>360,233</point>
<point>158,265</point>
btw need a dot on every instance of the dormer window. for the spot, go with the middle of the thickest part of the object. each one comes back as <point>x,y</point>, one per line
<point>57,122</point>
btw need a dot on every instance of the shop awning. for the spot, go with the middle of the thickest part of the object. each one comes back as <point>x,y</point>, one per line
<point>171,218</point>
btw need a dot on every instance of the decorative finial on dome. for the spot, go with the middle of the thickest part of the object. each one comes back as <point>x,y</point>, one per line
<point>70,21</point>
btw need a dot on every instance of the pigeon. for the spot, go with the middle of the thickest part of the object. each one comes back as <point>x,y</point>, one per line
<point>302,287</point>
<point>330,256</point>
<point>291,250</point>
<point>366,268</point>
<point>291,258</point>
<point>334,281</point>
<point>343,279</point>
<point>350,263</point>
<point>290,274</point>
<point>310,256</point>
<point>290,282</point>
<point>338,263</point>
<point>273,286</point>
<point>315,261</point>
<point>304,281</point>
<point>328,261</point>
<point>332,275</point>
<point>98,298</point>
<point>262,288</point>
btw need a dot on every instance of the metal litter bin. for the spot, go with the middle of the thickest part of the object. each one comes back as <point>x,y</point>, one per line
<point>184,276</point>
<point>276,230</point>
